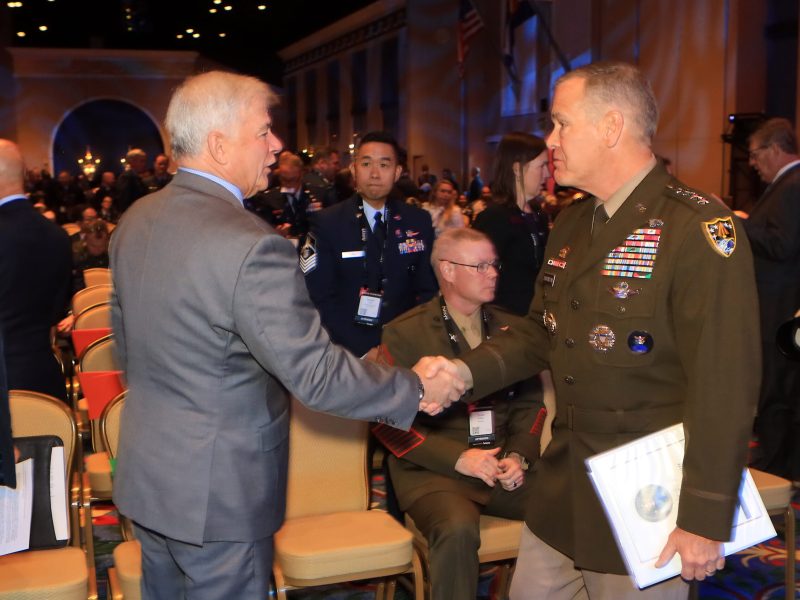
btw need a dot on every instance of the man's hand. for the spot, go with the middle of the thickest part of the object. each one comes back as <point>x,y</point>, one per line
<point>512,475</point>
<point>481,464</point>
<point>700,557</point>
<point>442,384</point>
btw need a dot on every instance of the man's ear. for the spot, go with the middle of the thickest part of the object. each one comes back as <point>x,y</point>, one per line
<point>398,170</point>
<point>217,147</point>
<point>447,271</point>
<point>611,127</point>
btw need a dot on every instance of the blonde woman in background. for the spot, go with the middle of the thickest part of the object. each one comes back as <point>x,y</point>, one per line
<point>445,213</point>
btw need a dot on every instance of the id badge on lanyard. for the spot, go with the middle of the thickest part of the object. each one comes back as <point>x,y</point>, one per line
<point>369,308</point>
<point>481,427</point>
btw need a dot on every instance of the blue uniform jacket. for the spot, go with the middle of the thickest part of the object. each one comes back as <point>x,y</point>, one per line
<point>336,271</point>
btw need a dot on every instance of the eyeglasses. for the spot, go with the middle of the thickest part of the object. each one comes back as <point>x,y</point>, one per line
<point>481,268</point>
<point>752,154</point>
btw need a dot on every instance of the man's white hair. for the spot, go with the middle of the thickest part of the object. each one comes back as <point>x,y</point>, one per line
<point>213,101</point>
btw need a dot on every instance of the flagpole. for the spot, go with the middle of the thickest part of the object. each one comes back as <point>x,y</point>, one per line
<point>463,124</point>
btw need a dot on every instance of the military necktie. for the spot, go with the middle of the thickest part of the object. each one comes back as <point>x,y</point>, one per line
<point>599,220</point>
<point>379,229</point>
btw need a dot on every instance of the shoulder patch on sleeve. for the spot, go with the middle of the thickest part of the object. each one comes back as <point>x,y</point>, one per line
<point>721,234</point>
<point>308,254</point>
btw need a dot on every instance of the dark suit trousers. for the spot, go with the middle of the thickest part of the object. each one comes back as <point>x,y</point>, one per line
<point>451,524</point>
<point>778,422</point>
<point>173,570</point>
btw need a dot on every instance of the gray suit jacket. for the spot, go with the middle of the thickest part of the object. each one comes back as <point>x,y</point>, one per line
<point>214,326</point>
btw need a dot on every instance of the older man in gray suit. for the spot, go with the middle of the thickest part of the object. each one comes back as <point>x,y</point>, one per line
<point>215,328</point>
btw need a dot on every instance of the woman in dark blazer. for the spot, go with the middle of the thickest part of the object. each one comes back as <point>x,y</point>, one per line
<point>514,219</point>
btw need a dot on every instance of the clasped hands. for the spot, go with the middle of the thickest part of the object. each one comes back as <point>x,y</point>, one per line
<point>484,465</point>
<point>443,386</point>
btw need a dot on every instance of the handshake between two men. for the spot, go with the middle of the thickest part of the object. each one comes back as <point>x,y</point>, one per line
<point>442,383</point>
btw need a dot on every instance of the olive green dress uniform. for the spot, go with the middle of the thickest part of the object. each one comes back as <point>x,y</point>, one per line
<point>632,354</point>
<point>424,475</point>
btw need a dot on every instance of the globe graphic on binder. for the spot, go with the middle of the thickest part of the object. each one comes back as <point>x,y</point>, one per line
<point>653,503</point>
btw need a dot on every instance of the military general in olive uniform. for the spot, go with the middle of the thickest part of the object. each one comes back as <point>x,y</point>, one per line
<point>646,312</point>
<point>471,460</point>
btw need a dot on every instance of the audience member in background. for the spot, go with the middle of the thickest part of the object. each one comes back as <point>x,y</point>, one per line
<point>130,185</point>
<point>773,228</point>
<point>106,187</point>
<point>319,180</point>
<point>447,173</point>
<point>405,188</point>
<point>514,220</point>
<point>472,459</point>
<point>107,211</point>
<point>214,329</point>
<point>160,176</point>
<point>344,183</point>
<point>367,259</point>
<point>475,185</point>
<point>444,211</point>
<point>90,253</point>
<point>287,206</point>
<point>426,176</point>
<point>34,282</point>
<point>65,196</point>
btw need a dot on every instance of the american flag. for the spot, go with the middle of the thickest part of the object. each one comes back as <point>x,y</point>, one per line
<point>469,24</point>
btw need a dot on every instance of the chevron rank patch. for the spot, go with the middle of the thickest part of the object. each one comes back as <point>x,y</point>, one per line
<point>308,254</point>
<point>721,234</point>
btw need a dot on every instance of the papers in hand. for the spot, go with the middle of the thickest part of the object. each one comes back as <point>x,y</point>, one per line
<point>639,486</point>
<point>16,505</point>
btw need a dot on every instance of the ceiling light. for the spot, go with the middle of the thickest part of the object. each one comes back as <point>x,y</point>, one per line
<point>222,34</point>
<point>228,7</point>
<point>212,10</point>
<point>262,7</point>
<point>179,36</point>
<point>195,35</point>
<point>42,27</point>
<point>20,34</point>
<point>217,1</point>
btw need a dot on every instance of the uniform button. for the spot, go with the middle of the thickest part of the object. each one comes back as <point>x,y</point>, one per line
<point>570,343</point>
<point>569,380</point>
<point>575,304</point>
<point>621,309</point>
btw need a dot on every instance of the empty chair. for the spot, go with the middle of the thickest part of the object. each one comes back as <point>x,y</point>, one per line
<point>89,296</point>
<point>329,535</point>
<point>97,276</point>
<point>97,316</point>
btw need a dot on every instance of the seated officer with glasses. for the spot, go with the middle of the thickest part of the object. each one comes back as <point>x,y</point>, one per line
<point>471,459</point>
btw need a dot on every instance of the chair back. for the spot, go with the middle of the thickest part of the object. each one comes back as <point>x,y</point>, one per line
<point>99,356</point>
<point>33,413</point>
<point>71,228</point>
<point>110,423</point>
<point>95,317</point>
<point>94,277</point>
<point>327,464</point>
<point>89,296</point>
